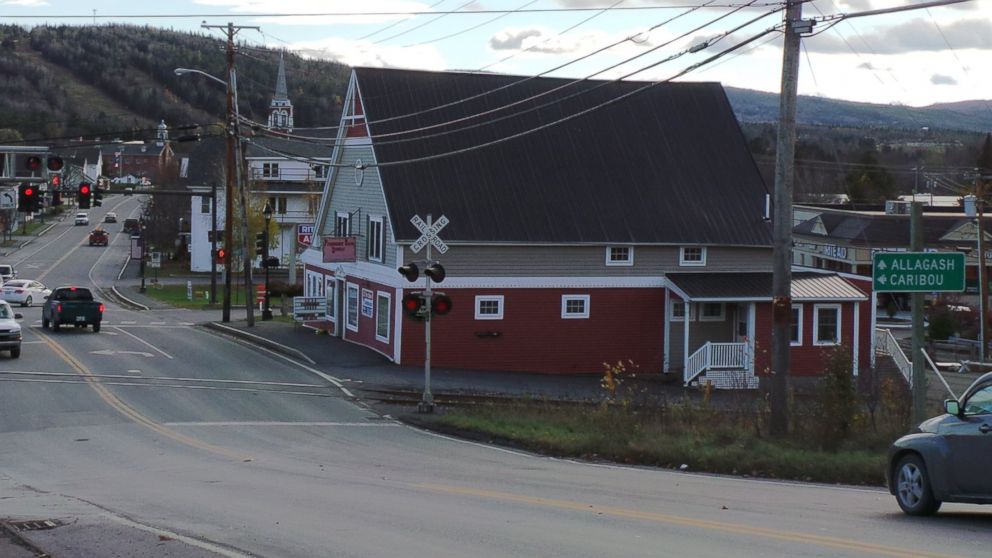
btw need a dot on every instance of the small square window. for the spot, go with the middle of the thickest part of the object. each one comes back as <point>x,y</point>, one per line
<point>826,324</point>
<point>574,306</point>
<point>712,312</point>
<point>489,307</point>
<point>692,255</point>
<point>619,255</point>
<point>678,312</point>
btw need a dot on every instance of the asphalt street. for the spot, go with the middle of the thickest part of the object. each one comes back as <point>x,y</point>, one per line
<point>156,437</point>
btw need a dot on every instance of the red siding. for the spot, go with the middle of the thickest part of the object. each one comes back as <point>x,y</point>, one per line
<point>623,324</point>
<point>367,324</point>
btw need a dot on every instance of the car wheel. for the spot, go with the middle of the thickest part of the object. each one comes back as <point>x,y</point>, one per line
<point>913,490</point>
<point>28,301</point>
<point>96,327</point>
<point>15,352</point>
<point>55,326</point>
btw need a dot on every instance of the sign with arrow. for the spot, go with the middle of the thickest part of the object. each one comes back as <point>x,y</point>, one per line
<point>8,199</point>
<point>918,272</point>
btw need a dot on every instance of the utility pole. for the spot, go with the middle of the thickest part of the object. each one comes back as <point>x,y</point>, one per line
<point>782,232</point>
<point>213,243</point>
<point>982,280</point>
<point>232,131</point>
<point>916,300</point>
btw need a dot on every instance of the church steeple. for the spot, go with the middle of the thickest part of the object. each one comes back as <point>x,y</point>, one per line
<point>281,109</point>
<point>162,135</point>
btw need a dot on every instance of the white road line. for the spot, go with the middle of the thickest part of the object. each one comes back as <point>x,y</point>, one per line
<point>278,423</point>
<point>129,322</point>
<point>156,323</point>
<point>153,347</point>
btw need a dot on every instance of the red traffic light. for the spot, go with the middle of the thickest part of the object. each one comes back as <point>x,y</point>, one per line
<point>221,254</point>
<point>56,181</point>
<point>84,189</point>
<point>55,164</point>
<point>441,304</point>
<point>29,191</point>
<point>33,163</point>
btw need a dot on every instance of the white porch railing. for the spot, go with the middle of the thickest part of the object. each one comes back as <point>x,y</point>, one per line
<point>887,345</point>
<point>714,356</point>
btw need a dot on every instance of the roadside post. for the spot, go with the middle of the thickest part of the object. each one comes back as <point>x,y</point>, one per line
<point>917,273</point>
<point>428,237</point>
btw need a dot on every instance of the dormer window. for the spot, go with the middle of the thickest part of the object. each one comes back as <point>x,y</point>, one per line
<point>270,170</point>
<point>620,255</point>
<point>692,256</point>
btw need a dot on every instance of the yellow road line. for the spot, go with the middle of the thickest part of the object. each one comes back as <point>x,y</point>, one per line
<point>790,536</point>
<point>126,410</point>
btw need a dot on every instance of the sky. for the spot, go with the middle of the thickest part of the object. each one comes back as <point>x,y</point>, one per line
<point>917,58</point>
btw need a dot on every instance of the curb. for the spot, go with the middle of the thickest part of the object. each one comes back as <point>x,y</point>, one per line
<point>128,300</point>
<point>16,535</point>
<point>258,340</point>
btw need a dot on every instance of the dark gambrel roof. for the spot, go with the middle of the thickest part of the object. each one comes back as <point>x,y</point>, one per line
<point>879,230</point>
<point>667,165</point>
<point>806,285</point>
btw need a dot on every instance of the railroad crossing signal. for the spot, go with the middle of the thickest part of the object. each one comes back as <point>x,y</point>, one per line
<point>428,234</point>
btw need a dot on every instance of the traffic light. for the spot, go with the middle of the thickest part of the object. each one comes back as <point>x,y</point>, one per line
<point>260,244</point>
<point>33,163</point>
<point>410,271</point>
<point>440,304</point>
<point>27,196</point>
<point>435,271</point>
<point>220,256</point>
<point>414,305</point>
<point>97,197</point>
<point>55,164</point>
<point>56,181</point>
<point>83,195</point>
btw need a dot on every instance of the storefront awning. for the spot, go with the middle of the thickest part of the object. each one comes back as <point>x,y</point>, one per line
<point>757,287</point>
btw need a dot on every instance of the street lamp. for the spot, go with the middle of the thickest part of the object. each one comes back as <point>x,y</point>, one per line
<point>233,118</point>
<point>267,213</point>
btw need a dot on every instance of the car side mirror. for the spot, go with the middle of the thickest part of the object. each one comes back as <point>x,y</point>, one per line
<point>952,407</point>
<point>18,316</point>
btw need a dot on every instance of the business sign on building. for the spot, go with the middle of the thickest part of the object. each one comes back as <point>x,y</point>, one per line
<point>304,233</point>
<point>920,272</point>
<point>339,249</point>
<point>309,308</point>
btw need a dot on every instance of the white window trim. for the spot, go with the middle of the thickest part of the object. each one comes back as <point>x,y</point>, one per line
<point>382,239</point>
<point>691,311</point>
<point>628,262</point>
<point>487,298</point>
<point>800,324</point>
<point>347,310</point>
<point>332,303</point>
<point>816,325</point>
<point>721,318</point>
<point>692,263</point>
<point>346,217</point>
<point>565,315</point>
<point>389,322</point>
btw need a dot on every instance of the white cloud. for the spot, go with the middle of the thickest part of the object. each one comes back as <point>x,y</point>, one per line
<point>365,53</point>
<point>321,7</point>
<point>939,79</point>
<point>30,3</point>
<point>917,35</point>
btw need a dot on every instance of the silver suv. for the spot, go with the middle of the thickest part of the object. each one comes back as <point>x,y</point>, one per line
<point>7,272</point>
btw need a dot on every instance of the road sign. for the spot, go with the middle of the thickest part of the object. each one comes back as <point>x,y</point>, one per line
<point>428,234</point>
<point>8,198</point>
<point>918,272</point>
<point>156,260</point>
<point>304,234</point>
<point>309,308</point>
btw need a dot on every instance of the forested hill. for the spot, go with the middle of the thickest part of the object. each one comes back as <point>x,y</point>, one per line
<point>111,80</point>
<point>117,81</point>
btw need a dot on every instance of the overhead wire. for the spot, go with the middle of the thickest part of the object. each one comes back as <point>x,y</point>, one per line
<point>472,28</point>
<point>428,22</point>
<point>988,107</point>
<point>395,23</point>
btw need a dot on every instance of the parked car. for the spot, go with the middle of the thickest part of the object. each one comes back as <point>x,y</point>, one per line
<point>71,306</point>
<point>82,218</point>
<point>10,330</point>
<point>110,217</point>
<point>99,237</point>
<point>7,272</point>
<point>947,459</point>
<point>24,292</point>
<point>132,226</point>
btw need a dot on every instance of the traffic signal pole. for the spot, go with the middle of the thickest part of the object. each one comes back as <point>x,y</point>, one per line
<point>426,405</point>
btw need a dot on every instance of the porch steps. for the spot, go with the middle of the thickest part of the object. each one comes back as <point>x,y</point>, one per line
<point>729,379</point>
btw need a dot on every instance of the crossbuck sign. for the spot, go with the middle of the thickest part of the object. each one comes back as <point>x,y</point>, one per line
<point>428,234</point>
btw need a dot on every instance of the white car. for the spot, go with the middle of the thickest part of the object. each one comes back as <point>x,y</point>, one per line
<point>110,217</point>
<point>24,292</point>
<point>10,330</point>
<point>82,218</point>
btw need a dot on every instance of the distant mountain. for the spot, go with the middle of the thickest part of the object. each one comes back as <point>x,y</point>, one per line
<point>758,106</point>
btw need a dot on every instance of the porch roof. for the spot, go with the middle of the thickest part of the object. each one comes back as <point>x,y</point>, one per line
<point>757,287</point>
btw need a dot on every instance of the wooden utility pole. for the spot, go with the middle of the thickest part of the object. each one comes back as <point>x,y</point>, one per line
<point>782,232</point>
<point>984,173</point>
<point>919,375</point>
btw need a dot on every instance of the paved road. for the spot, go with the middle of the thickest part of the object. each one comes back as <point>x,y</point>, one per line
<point>158,438</point>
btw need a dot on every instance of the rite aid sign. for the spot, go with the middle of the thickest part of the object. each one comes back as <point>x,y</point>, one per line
<point>304,233</point>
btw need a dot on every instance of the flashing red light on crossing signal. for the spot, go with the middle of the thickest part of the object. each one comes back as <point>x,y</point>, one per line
<point>440,304</point>
<point>55,164</point>
<point>414,305</point>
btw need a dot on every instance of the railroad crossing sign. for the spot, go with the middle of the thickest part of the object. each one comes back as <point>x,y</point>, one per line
<point>428,234</point>
<point>918,272</point>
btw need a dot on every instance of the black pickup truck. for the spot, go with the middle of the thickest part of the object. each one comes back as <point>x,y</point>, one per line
<point>71,306</point>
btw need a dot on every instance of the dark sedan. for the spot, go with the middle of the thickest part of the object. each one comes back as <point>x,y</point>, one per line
<point>947,460</point>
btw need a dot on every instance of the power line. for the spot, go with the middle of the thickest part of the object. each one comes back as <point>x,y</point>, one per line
<point>395,23</point>
<point>428,22</point>
<point>472,28</point>
<point>988,107</point>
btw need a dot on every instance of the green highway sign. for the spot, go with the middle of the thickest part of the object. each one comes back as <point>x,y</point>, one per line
<point>918,272</point>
